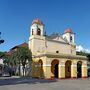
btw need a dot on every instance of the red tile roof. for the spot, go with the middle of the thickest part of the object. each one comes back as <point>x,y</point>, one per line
<point>21,45</point>
<point>69,30</point>
<point>37,21</point>
<point>15,47</point>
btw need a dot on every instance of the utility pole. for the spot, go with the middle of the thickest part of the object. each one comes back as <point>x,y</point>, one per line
<point>1,40</point>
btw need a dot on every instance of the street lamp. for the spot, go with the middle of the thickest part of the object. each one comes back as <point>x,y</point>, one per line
<point>1,40</point>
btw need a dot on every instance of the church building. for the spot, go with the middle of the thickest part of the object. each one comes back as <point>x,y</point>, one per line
<point>55,56</point>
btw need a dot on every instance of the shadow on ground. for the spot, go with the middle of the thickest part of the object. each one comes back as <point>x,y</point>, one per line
<point>24,80</point>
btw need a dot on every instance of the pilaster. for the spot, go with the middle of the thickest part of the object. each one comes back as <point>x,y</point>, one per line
<point>74,70</point>
<point>84,69</point>
<point>62,70</point>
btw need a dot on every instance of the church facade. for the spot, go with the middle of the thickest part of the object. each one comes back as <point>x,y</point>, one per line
<point>55,56</point>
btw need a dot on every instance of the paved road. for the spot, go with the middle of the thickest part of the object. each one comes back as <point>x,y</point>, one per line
<point>35,84</point>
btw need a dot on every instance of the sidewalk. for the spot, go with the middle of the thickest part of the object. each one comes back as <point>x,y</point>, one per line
<point>8,77</point>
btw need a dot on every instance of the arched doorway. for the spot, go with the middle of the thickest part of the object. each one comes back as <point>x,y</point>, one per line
<point>68,69</point>
<point>38,31</point>
<point>54,68</point>
<point>40,68</point>
<point>79,69</point>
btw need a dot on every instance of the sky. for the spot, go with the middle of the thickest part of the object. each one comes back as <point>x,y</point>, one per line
<point>16,17</point>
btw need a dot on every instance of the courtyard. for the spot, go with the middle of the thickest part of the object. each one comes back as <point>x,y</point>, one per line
<point>16,83</point>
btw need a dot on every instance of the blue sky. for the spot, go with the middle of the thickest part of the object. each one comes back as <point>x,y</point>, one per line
<point>57,15</point>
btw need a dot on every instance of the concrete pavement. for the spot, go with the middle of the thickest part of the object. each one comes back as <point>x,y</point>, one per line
<point>41,84</point>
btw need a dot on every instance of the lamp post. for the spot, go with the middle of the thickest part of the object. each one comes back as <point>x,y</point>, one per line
<point>1,40</point>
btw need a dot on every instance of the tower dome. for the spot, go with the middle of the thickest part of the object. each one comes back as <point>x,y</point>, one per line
<point>37,21</point>
<point>69,30</point>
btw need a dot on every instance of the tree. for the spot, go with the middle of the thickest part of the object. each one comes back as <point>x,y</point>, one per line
<point>24,55</point>
<point>88,57</point>
<point>84,54</point>
<point>6,59</point>
<point>18,56</point>
<point>21,56</point>
<point>2,54</point>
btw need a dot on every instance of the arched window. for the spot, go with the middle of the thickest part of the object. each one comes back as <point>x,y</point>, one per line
<point>32,31</point>
<point>38,32</point>
<point>70,38</point>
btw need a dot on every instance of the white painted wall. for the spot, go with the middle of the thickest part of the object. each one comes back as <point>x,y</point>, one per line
<point>62,48</point>
<point>67,36</point>
<point>39,44</point>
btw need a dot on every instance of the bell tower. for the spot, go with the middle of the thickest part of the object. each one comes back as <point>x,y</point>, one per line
<point>69,36</point>
<point>37,28</point>
<point>37,38</point>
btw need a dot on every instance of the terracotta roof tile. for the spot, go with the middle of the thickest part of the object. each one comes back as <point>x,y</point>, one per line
<point>37,21</point>
<point>69,30</point>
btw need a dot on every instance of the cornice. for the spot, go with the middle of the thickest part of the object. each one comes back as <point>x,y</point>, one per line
<point>59,55</point>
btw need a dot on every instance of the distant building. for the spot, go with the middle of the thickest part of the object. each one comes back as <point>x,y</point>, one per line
<point>18,46</point>
<point>55,56</point>
<point>15,48</point>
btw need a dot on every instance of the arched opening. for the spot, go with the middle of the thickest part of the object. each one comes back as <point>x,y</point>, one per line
<point>71,39</point>
<point>32,31</point>
<point>40,68</point>
<point>79,69</point>
<point>38,31</point>
<point>54,68</point>
<point>68,69</point>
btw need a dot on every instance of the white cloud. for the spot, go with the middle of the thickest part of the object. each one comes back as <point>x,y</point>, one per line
<point>81,48</point>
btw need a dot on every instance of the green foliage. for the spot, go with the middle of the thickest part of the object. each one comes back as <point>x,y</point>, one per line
<point>6,59</point>
<point>2,54</point>
<point>88,57</point>
<point>84,54</point>
<point>17,57</point>
<point>20,55</point>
